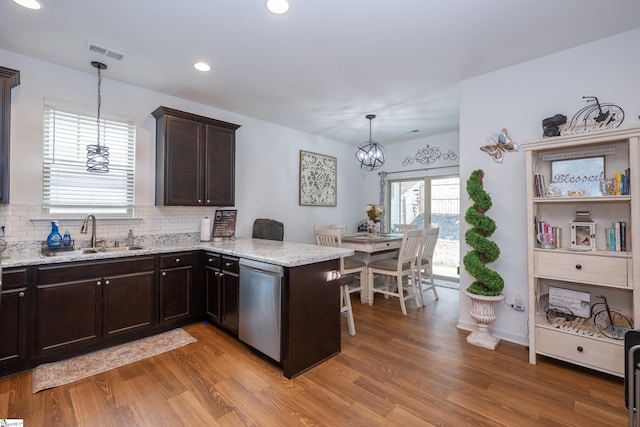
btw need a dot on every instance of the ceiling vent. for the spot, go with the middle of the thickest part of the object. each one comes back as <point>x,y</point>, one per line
<point>103,51</point>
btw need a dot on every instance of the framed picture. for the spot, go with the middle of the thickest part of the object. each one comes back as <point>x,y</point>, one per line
<point>578,177</point>
<point>318,179</point>
<point>224,224</point>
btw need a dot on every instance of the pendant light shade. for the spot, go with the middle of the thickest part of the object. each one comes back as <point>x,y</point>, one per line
<point>370,154</point>
<point>98,154</point>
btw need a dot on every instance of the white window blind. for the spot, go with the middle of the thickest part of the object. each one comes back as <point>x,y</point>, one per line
<point>68,189</point>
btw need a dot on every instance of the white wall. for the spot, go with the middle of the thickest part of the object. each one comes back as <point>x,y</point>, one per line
<point>267,157</point>
<point>518,98</point>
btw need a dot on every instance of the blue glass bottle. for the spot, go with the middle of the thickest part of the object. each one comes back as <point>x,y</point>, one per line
<point>54,240</point>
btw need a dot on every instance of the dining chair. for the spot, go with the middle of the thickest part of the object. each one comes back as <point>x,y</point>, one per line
<point>348,266</point>
<point>424,266</point>
<point>401,228</point>
<point>398,268</point>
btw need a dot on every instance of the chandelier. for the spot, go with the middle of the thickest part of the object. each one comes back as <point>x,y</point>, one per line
<point>370,154</point>
<point>98,155</point>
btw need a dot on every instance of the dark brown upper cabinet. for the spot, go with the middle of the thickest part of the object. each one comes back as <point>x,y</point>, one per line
<point>195,159</point>
<point>8,80</point>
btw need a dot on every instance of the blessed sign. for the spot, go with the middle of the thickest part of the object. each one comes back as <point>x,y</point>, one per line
<point>578,175</point>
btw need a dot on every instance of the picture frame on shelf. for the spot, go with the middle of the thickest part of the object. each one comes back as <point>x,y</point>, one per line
<point>578,177</point>
<point>318,179</point>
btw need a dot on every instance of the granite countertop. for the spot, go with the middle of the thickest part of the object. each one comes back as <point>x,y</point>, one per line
<point>286,254</point>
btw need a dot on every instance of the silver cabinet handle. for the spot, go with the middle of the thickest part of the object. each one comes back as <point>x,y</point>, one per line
<point>210,259</point>
<point>98,283</point>
<point>200,201</point>
<point>106,282</point>
<point>177,259</point>
<point>164,273</point>
<point>208,201</point>
<point>20,294</point>
<point>228,264</point>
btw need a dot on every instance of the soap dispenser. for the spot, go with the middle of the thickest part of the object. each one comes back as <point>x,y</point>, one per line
<point>130,238</point>
<point>54,240</point>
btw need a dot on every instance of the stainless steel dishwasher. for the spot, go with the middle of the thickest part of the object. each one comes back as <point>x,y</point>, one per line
<point>260,299</point>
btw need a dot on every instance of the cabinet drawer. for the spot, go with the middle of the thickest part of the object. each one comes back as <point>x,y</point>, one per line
<point>595,354</point>
<point>176,260</point>
<point>601,270</point>
<point>212,260</point>
<point>230,265</point>
<point>12,279</point>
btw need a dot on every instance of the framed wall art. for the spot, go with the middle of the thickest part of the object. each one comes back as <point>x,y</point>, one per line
<point>318,179</point>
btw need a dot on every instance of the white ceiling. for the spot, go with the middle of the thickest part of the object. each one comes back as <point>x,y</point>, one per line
<point>322,67</point>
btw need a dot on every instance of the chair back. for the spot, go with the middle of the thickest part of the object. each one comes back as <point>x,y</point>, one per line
<point>268,229</point>
<point>411,245</point>
<point>344,228</point>
<point>401,228</point>
<point>429,242</point>
<point>330,237</point>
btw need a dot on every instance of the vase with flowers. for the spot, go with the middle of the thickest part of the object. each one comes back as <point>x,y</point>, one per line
<point>374,212</point>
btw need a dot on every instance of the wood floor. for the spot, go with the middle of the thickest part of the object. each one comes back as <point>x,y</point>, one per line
<point>414,370</point>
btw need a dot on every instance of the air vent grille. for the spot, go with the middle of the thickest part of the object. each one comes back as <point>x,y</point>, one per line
<point>103,51</point>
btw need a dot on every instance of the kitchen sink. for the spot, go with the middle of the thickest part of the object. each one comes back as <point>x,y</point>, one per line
<point>120,249</point>
<point>89,251</point>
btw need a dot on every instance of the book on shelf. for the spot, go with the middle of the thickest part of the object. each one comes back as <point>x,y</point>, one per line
<point>618,236</point>
<point>538,181</point>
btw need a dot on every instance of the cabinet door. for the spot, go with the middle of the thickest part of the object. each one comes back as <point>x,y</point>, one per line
<point>230,288</point>
<point>128,303</point>
<point>230,293</point>
<point>8,79</point>
<point>175,294</point>
<point>13,327</point>
<point>68,315</point>
<point>183,165</point>
<point>212,289</point>
<point>219,156</point>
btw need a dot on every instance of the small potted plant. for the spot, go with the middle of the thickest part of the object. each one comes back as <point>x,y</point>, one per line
<point>487,287</point>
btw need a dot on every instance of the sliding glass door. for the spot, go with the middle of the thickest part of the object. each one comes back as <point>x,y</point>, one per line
<point>434,200</point>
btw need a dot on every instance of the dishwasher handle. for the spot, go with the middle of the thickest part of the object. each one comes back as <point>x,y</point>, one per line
<point>262,267</point>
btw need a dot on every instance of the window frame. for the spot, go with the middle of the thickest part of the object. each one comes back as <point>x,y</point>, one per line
<point>68,189</point>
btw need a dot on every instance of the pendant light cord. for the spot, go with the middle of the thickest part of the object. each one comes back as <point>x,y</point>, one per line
<point>99,103</point>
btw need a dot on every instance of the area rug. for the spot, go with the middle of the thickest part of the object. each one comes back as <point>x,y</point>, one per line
<point>49,375</point>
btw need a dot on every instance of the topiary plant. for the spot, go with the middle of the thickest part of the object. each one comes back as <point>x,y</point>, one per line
<point>487,282</point>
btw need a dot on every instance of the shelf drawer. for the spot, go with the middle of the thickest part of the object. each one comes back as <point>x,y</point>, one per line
<point>599,270</point>
<point>600,355</point>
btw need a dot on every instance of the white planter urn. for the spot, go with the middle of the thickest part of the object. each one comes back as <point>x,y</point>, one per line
<point>483,313</point>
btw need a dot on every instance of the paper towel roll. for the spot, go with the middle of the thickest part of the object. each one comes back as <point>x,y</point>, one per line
<point>205,229</point>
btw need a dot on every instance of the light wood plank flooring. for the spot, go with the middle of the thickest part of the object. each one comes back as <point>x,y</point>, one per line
<point>414,370</point>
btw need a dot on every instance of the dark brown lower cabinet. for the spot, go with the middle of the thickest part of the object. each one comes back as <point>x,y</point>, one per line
<point>222,285</point>
<point>82,304</point>
<point>14,317</point>
<point>176,282</point>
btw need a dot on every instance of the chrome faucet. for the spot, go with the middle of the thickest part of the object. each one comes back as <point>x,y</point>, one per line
<point>83,230</point>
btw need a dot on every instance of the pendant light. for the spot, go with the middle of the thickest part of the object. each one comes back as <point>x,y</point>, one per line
<point>97,154</point>
<point>370,154</point>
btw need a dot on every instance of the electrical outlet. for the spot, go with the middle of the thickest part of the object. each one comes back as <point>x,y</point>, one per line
<point>519,303</point>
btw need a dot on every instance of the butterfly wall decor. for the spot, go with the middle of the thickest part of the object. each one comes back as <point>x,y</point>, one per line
<point>498,145</point>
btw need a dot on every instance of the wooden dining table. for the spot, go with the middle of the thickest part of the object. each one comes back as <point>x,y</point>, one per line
<point>369,247</point>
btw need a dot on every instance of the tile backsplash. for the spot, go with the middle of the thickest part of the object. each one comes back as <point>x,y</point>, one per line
<point>25,229</point>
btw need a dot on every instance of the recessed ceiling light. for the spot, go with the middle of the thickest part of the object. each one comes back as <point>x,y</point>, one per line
<point>279,7</point>
<point>202,66</point>
<point>29,4</point>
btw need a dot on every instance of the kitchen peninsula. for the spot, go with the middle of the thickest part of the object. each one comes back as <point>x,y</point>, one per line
<point>171,281</point>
